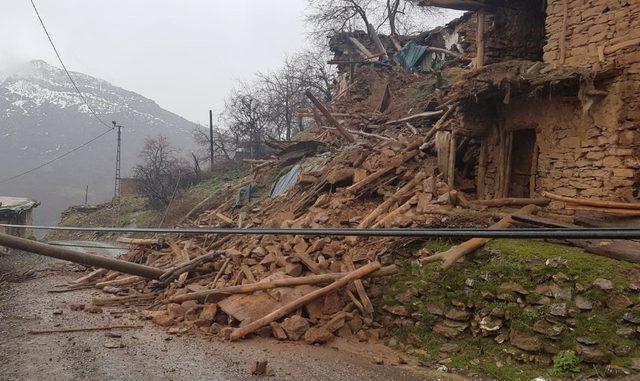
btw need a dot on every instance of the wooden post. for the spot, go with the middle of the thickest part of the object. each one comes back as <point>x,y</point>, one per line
<point>481,18</point>
<point>482,171</point>
<point>451,169</point>
<point>333,121</point>
<point>376,40</point>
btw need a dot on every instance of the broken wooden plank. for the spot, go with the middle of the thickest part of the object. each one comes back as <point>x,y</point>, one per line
<point>593,203</point>
<point>512,201</point>
<point>622,250</point>
<point>174,272</point>
<point>270,284</point>
<point>333,121</point>
<point>427,114</point>
<point>457,252</point>
<point>294,305</point>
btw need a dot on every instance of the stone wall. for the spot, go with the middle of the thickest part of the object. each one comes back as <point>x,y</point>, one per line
<point>588,155</point>
<point>584,27</point>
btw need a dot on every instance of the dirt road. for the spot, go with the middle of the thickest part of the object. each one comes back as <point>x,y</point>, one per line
<point>150,353</point>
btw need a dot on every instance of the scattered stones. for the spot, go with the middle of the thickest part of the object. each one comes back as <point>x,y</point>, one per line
<point>616,371</point>
<point>260,368</point>
<point>583,303</point>
<point>603,284</point>
<point>586,341</point>
<point>558,309</point>
<point>295,327</point>
<point>57,312</point>
<point>562,293</point>
<point>635,363</point>
<point>209,312</point>
<point>490,324</point>
<point>632,317</point>
<point>450,348</point>
<point>537,299</point>
<point>450,328</point>
<point>525,342</point>
<point>434,309</point>
<point>513,287</point>
<point>618,302</point>
<point>592,355</point>
<point>113,344</point>
<point>556,262</point>
<point>398,310</point>
<point>548,329</point>
<point>162,319</point>
<point>457,314</point>
<point>316,335</point>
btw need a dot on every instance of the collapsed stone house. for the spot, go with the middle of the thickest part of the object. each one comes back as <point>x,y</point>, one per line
<point>553,104</point>
<point>569,125</point>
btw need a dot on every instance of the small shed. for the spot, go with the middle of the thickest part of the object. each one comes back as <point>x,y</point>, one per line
<point>17,211</point>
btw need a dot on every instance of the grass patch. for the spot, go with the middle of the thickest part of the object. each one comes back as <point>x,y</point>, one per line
<point>478,282</point>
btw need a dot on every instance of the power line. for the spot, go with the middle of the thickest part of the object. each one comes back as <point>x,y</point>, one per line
<point>57,157</point>
<point>563,233</point>
<point>84,100</point>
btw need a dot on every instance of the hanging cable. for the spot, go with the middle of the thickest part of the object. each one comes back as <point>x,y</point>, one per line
<point>84,100</point>
<point>56,158</point>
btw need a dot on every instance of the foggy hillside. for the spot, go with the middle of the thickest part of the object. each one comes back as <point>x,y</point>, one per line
<point>41,116</point>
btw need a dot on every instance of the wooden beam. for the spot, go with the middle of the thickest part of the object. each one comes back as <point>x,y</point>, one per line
<point>333,121</point>
<point>480,54</point>
<point>593,203</point>
<point>451,169</point>
<point>283,311</point>
<point>364,52</point>
<point>461,5</point>
<point>376,40</point>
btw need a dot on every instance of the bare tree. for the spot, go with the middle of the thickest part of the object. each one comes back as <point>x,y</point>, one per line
<point>327,17</point>
<point>246,116</point>
<point>161,171</point>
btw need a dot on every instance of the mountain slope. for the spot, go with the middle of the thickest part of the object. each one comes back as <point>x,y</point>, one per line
<point>42,116</point>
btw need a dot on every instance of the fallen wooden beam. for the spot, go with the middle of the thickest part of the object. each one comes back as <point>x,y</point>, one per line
<point>461,5</point>
<point>498,202</point>
<point>427,114</point>
<point>267,285</point>
<point>333,121</point>
<point>407,191</point>
<point>78,257</point>
<point>175,272</point>
<point>604,210</point>
<point>628,251</point>
<point>300,302</point>
<point>451,256</point>
<point>592,203</point>
<point>141,241</point>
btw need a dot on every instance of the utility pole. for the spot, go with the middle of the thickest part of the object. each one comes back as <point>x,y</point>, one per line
<point>86,196</point>
<point>211,137</point>
<point>116,194</point>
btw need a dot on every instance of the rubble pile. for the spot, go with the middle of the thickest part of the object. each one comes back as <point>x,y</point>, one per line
<point>392,175</point>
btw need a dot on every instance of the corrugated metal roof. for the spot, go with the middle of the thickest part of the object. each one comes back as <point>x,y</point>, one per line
<point>15,205</point>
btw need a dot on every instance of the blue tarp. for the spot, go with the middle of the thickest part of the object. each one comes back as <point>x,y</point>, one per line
<point>286,181</point>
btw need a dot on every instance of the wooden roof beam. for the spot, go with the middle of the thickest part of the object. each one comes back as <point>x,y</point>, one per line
<point>461,5</point>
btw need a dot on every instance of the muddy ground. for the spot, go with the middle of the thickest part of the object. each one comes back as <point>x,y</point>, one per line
<point>150,353</point>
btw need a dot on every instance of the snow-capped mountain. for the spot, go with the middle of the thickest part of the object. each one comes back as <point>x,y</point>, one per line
<point>42,116</point>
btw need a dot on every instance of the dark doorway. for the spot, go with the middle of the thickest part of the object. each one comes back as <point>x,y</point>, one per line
<point>523,151</point>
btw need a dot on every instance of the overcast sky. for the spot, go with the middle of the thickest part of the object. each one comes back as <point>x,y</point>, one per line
<point>184,54</point>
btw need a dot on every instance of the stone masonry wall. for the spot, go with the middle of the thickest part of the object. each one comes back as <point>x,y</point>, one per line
<point>590,25</point>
